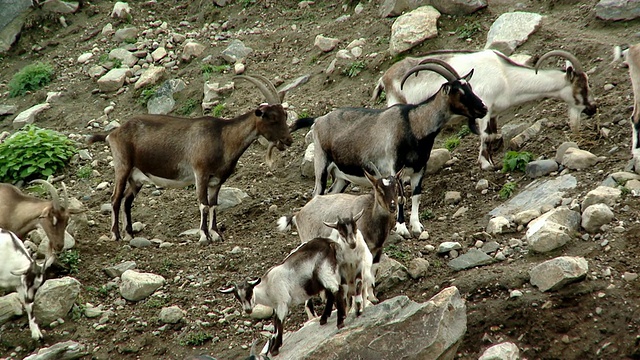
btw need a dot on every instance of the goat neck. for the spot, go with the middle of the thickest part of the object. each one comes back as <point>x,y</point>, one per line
<point>426,120</point>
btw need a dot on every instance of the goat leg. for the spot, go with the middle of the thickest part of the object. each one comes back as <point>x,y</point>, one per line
<point>130,194</point>
<point>328,307</point>
<point>340,305</point>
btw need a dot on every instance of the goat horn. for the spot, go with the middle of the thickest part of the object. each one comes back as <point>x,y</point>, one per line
<point>442,63</point>
<point>271,87</point>
<point>435,68</point>
<point>375,169</point>
<point>52,191</point>
<point>266,87</point>
<point>563,54</point>
<point>66,196</point>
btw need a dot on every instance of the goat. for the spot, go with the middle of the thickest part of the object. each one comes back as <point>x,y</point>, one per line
<point>500,82</point>
<point>379,212</point>
<point>394,138</point>
<point>308,270</point>
<point>18,271</point>
<point>21,213</point>
<point>176,152</point>
<point>632,59</point>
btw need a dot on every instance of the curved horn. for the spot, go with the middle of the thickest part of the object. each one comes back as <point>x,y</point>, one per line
<point>563,54</point>
<point>442,63</point>
<point>270,86</point>
<point>269,94</point>
<point>375,169</point>
<point>66,196</point>
<point>52,191</point>
<point>435,68</point>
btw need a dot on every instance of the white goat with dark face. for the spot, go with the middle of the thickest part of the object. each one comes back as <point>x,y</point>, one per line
<point>501,84</point>
<point>18,271</point>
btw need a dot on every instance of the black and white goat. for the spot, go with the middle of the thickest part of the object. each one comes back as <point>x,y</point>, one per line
<point>18,271</point>
<point>21,213</point>
<point>310,269</point>
<point>347,140</point>
<point>378,210</point>
<point>632,58</point>
<point>500,82</point>
<point>175,152</point>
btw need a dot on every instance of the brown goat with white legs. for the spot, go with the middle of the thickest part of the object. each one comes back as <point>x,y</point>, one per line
<point>175,152</point>
<point>20,214</point>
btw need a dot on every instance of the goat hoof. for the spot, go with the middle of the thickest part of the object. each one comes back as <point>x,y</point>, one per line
<point>340,325</point>
<point>274,352</point>
<point>323,321</point>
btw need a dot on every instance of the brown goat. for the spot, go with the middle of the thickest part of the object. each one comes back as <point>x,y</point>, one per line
<point>20,213</point>
<point>175,152</point>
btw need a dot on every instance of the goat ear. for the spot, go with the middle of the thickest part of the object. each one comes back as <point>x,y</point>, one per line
<point>254,282</point>
<point>20,272</point>
<point>358,215</point>
<point>259,112</point>
<point>571,74</point>
<point>228,290</point>
<point>333,225</point>
<point>468,76</point>
<point>446,89</point>
<point>399,174</point>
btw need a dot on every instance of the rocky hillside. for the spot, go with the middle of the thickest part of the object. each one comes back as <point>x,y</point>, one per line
<point>542,260</point>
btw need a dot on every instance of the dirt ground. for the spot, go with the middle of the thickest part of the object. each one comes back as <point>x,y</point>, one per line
<point>598,318</point>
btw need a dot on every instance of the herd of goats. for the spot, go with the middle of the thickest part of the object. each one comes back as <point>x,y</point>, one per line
<point>342,234</point>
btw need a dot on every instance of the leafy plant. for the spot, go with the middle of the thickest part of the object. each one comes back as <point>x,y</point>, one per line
<point>103,58</point>
<point>196,338</point>
<point>426,214</point>
<point>116,63</point>
<point>146,94</point>
<point>507,190</point>
<point>396,253</point>
<point>464,131</point>
<point>516,161</point>
<point>102,290</point>
<point>354,69</point>
<point>70,259</point>
<point>188,107</point>
<point>303,114</point>
<point>30,78</point>
<point>217,110</point>
<point>155,302</point>
<point>84,172</point>
<point>468,30</point>
<point>34,153</point>
<point>452,142</point>
<point>208,69</point>
<point>382,98</point>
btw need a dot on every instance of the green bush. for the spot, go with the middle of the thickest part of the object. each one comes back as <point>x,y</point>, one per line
<point>70,259</point>
<point>33,153</point>
<point>507,190</point>
<point>516,161</point>
<point>188,107</point>
<point>30,78</point>
<point>452,142</point>
<point>196,338</point>
<point>354,69</point>
<point>217,110</point>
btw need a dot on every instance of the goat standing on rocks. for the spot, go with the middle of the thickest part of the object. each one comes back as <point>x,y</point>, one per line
<point>500,82</point>
<point>175,152</point>
<point>632,57</point>
<point>394,138</point>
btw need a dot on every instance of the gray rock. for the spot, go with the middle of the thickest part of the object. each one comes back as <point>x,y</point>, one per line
<point>67,350</point>
<point>490,247</point>
<point>161,104</point>
<point>96,71</point>
<point>10,306</point>
<point>538,194</point>
<point>413,28</point>
<point>602,194</point>
<point>125,34</point>
<point>482,184</point>
<point>91,311</point>
<point>121,10</point>
<point>418,268</point>
<point>563,148</point>
<point>577,159</point>
<point>623,176</point>
<point>236,52</point>
<point>42,240</point>
<point>552,230</point>
<point>55,298</point>
<point>113,80</point>
<point>171,315</point>
<point>230,197</point>
<point>510,131</point>
<point>525,217</point>
<point>502,351</point>
<point>390,273</point>
<point>140,242</point>
<point>123,55</point>
<point>394,329</point>
<point>306,167</point>
<point>452,197</point>
<point>539,168</point>
<point>447,246</point>
<point>437,160</point>
<point>300,80</point>
<point>14,14</point>
<point>136,286</point>
<point>595,216</point>
<point>618,9</point>
<point>191,49</point>
<point>105,209</point>
<point>8,109</point>
<point>117,270</point>
<point>512,29</point>
<point>555,273</point>
<point>470,259</point>
<point>29,116</point>
<point>458,7</point>
<point>261,312</point>
<point>498,225</point>
<point>159,54</point>
<point>60,7</point>
<point>324,43</point>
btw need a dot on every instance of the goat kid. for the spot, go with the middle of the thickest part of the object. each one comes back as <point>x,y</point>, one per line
<point>400,136</point>
<point>175,152</point>
<point>500,82</point>
<point>632,58</point>
<point>308,270</point>
<point>18,271</point>
<point>378,218</point>
<point>21,213</point>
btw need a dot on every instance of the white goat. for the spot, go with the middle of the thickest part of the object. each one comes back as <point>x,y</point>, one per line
<point>18,271</point>
<point>632,58</point>
<point>500,82</point>
<point>176,152</point>
<point>310,269</point>
<point>395,138</point>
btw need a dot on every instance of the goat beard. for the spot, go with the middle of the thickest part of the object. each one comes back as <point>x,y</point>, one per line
<point>273,144</point>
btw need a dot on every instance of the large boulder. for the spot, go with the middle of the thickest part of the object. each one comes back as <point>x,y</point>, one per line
<point>55,298</point>
<point>512,29</point>
<point>555,273</point>
<point>413,28</point>
<point>136,286</point>
<point>394,329</point>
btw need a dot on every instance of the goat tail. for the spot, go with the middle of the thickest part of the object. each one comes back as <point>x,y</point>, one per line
<point>96,138</point>
<point>377,91</point>
<point>301,123</point>
<point>284,223</point>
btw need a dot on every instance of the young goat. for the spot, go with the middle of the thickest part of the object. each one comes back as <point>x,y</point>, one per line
<point>500,82</point>
<point>378,218</point>
<point>176,152</point>
<point>18,271</point>
<point>20,214</point>
<point>632,58</point>
<point>310,269</point>
<point>397,137</point>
